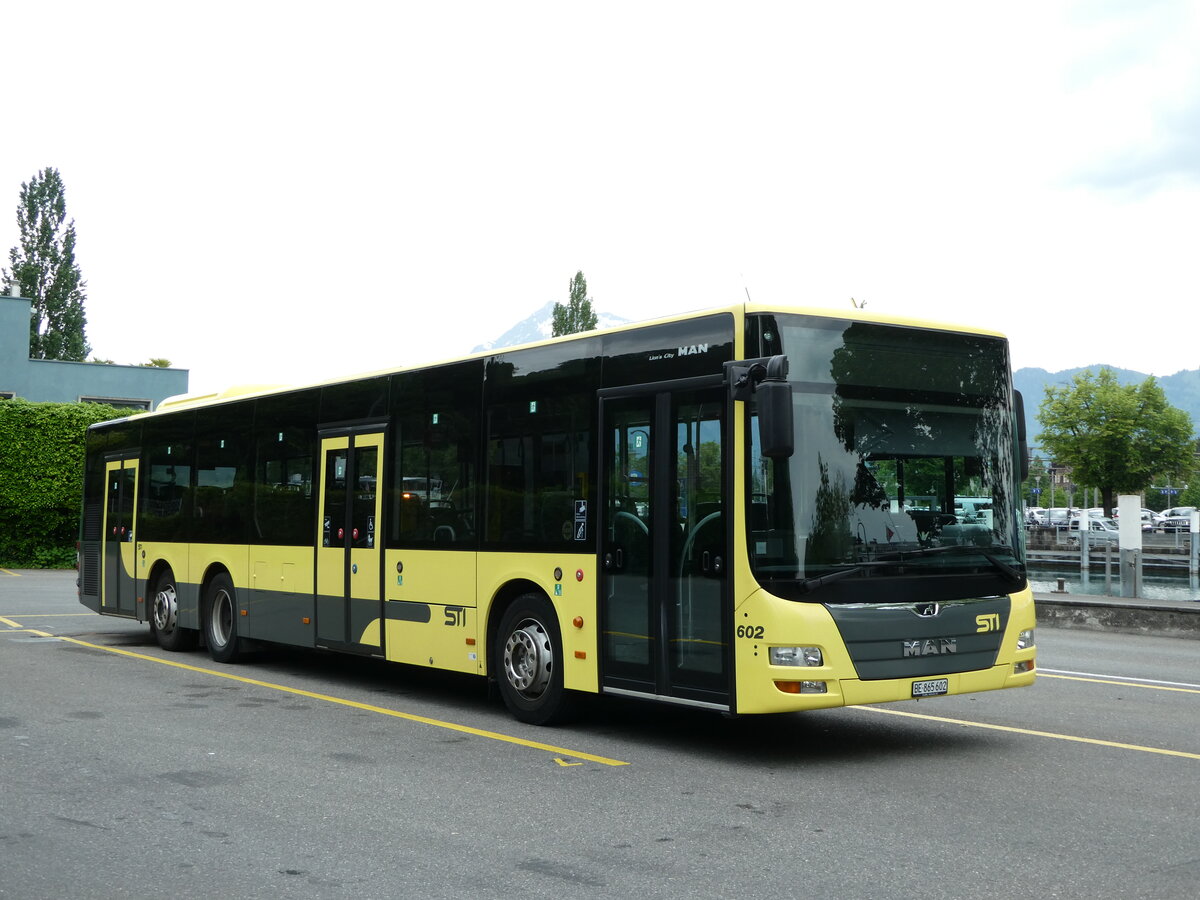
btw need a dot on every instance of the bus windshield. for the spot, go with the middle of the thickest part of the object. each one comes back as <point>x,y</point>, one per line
<point>905,466</point>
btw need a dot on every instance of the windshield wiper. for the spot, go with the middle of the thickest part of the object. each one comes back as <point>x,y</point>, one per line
<point>811,584</point>
<point>1008,571</point>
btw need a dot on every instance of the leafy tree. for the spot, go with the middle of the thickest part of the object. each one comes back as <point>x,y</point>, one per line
<point>157,362</point>
<point>1118,438</point>
<point>44,271</point>
<point>577,314</point>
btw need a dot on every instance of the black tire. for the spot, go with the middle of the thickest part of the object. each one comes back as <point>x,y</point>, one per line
<point>164,615</point>
<point>220,614</point>
<point>528,661</point>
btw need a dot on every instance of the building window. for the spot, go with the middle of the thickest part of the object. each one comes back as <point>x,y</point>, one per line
<point>6,395</point>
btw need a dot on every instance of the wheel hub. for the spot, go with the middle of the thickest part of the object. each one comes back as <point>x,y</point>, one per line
<point>528,658</point>
<point>166,609</point>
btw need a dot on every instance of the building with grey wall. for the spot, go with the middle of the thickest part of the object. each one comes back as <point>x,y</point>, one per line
<point>136,387</point>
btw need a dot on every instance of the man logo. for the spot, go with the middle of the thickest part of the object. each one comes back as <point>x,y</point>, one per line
<point>930,647</point>
<point>927,610</point>
<point>692,350</point>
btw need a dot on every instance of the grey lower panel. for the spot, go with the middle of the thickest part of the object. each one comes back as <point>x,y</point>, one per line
<point>187,601</point>
<point>279,616</point>
<point>332,626</point>
<point>362,614</point>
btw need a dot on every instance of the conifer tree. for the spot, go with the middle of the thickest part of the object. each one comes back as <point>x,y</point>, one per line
<point>577,314</point>
<point>44,271</point>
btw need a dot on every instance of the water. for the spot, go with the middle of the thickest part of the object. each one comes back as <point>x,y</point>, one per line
<point>1154,587</point>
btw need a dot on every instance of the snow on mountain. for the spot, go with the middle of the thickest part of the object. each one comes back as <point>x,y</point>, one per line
<point>538,326</point>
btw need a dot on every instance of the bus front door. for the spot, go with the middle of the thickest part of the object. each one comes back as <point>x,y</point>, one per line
<point>349,542</point>
<point>665,612</point>
<point>119,591</point>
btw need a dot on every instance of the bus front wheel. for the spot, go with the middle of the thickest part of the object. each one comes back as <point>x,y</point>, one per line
<point>164,615</point>
<point>221,620</point>
<point>528,657</point>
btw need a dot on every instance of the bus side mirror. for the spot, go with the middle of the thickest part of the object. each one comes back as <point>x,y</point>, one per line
<point>1022,436</point>
<point>766,378</point>
<point>775,419</point>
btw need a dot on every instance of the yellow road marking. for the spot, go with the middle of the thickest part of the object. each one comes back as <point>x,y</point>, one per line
<point>383,711</point>
<point>9,622</point>
<point>1152,687</point>
<point>13,574</point>
<point>47,615</point>
<point>1046,734</point>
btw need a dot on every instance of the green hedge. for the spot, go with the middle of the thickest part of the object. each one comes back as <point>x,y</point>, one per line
<point>41,479</point>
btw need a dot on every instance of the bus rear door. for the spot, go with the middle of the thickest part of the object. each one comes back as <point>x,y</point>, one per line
<point>118,587</point>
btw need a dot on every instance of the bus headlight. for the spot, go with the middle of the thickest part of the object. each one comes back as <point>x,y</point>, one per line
<point>1025,639</point>
<point>797,656</point>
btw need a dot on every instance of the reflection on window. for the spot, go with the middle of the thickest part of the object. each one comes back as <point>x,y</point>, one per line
<point>434,500</point>
<point>537,457</point>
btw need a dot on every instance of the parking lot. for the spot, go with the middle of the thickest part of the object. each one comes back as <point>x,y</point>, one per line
<point>132,772</point>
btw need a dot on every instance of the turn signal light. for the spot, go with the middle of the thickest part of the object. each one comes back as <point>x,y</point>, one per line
<point>802,687</point>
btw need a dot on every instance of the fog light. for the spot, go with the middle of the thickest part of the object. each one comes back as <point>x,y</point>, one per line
<point>1025,665</point>
<point>802,687</point>
<point>796,656</point>
<point>1025,639</point>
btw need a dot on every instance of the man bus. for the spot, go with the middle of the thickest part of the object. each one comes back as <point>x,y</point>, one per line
<point>749,510</point>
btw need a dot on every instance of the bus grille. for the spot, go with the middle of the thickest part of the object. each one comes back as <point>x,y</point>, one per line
<point>897,641</point>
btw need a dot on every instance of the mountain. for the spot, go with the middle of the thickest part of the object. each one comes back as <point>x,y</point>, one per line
<point>1182,389</point>
<point>538,327</point>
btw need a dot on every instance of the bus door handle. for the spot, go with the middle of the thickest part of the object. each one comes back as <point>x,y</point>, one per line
<point>615,560</point>
<point>711,564</point>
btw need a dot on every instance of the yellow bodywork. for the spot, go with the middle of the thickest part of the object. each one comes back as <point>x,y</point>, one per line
<point>790,624</point>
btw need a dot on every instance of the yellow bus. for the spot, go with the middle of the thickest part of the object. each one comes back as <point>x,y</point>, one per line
<point>749,509</point>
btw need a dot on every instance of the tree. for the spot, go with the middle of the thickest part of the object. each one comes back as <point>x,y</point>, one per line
<point>44,271</point>
<point>1118,438</point>
<point>577,315</point>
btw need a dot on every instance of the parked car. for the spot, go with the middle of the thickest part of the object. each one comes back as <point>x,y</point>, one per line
<point>1060,516</point>
<point>1100,530</point>
<point>1177,518</point>
<point>1035,515</point>
<point>1151,520</point>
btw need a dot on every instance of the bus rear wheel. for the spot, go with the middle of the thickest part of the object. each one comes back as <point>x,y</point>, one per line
<point>528,655</point>
<point>164,615</point>
<point>220,620</point>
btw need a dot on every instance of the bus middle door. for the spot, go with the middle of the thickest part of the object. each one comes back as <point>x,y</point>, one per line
<point>349,542</point>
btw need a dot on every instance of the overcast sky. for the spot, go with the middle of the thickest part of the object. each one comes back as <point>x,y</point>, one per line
<point>283,192</point>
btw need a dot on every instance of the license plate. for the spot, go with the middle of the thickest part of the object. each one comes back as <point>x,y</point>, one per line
<point>932,688</point>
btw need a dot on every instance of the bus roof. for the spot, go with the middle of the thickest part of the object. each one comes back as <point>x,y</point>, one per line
<point>236,392</point>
